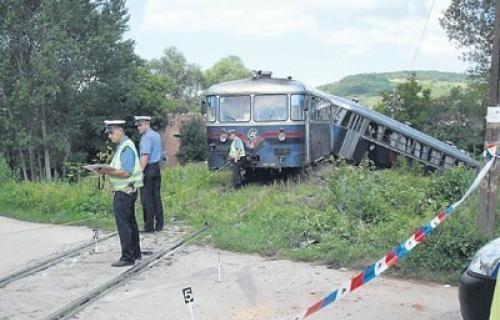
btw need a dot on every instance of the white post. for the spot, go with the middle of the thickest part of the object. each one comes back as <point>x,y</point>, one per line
<point>96,237</point>
<point>219,268</point>
<point>191,310</point>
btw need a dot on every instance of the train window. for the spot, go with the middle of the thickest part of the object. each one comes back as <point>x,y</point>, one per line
<point>339,114</point>
<point>333,111</point>
<point>324,111</point>
<point>234,108</point>
<point>346,119</point>
<point>211,107</point>
<point>297,107</point>
<point>270,107</point>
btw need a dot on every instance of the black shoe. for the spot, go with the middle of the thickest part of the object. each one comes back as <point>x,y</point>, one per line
<point>122,263</point>
<point>159,230</point>
<point>146,231</point>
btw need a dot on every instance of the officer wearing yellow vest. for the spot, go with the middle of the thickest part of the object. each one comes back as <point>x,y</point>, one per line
<point>236,152</point>
<point>125,179</point>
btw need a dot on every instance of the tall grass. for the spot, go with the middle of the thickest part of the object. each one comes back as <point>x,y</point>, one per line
<point>343,215</point>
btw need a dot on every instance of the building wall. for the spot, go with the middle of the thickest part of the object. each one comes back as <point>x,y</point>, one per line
<point>171,143</point>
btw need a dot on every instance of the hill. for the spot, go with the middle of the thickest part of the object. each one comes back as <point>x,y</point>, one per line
<point>367,86</point>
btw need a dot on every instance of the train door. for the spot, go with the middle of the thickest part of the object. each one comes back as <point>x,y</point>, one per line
<point>319,133</point>
<point>353,148</point>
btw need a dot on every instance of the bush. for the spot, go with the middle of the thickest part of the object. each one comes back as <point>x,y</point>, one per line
<point>5,173</point>
<point>193,138</point>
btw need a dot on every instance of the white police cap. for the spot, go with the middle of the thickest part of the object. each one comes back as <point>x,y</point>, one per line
<point>141,118</point>
<point>113,123</point>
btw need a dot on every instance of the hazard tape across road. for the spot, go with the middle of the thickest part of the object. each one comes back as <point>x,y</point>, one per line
<point>399,252</point>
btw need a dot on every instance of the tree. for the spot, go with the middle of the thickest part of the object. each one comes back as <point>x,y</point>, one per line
<point>470,24</point>
<point>64,67</point>
<point>193,140</point>
<point>226,69</point>
<point>182,80</point>
<point>412,103</point>
<point>459,117</point>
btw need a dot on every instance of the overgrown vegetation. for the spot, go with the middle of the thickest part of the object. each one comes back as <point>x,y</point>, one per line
<point>193,138</point>
<point>343,216</point>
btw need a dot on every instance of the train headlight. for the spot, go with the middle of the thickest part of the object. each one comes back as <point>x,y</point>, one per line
<point>223,137</point>
<point>281,135</point>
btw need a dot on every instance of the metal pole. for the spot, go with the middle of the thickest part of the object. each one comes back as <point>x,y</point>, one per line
<point>394,103</point>
<point>487,218</point>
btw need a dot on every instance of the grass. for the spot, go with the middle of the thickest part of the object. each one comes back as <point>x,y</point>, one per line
<point>351,214</point>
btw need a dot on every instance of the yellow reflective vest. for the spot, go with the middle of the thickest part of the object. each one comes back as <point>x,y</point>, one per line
<point>237,150</point>
<point>134,180</point>
<point>495,303</point>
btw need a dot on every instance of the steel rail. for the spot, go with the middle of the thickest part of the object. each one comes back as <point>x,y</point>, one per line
<point>47,263</point>
<point>80,303</point>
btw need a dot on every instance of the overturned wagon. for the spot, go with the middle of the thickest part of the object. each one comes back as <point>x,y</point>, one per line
<point>286,125</point>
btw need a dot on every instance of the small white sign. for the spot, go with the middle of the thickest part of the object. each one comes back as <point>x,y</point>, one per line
<point>493,115</point>
<point>188,295</point>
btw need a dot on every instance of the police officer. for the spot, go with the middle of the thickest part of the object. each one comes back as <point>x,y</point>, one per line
<point>151,152</point>
<point>236,152</point>
<point>125,179</point>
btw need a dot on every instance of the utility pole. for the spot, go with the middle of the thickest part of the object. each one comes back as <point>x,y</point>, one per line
<point>487,216</point>
<point>394,102</point>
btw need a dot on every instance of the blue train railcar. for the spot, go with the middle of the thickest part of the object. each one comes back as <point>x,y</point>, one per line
<point>383,139</point>
<point>267,114</point>
<point>286,125</point>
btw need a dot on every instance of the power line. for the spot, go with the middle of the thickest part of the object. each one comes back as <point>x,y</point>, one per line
<point>422,35</point>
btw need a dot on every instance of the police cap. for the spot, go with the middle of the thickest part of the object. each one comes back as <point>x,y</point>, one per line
<point>139,119</point>
<point>110,124</point>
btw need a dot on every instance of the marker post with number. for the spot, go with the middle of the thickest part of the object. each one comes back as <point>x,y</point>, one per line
<point>219,268</point>
<point>189,299</point>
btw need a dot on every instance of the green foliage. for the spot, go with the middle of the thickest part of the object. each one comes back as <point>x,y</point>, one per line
<point>459,117</point>
<point>226,69</point>
<point>451,184</point>
<point>352,214</point>
<point>5,172</point>
<point>181,81</point>
<point>448,250</point>
<point>470,24</point>
<point>57,202</point>
<point>367,88</point>
<point>65,65</point>
<point>370,84</point>
<point>193,140</point>
<point>409,102</point>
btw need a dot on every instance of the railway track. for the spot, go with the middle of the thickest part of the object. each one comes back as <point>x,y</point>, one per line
<point>40,292</point>
<point>47,263</point>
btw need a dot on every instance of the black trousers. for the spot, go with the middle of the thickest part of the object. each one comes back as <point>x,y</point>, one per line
<point>151,198</point>
<point>124,208</point>
<point>236,169</point>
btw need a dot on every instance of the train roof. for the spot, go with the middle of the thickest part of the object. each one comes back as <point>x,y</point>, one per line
<point>403,128</point>
<point>256,86</point>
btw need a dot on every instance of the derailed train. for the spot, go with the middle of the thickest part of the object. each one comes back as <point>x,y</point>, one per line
<point>286,125</point>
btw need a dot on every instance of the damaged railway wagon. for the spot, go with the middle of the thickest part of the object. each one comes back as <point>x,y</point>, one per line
<point>286,125</point>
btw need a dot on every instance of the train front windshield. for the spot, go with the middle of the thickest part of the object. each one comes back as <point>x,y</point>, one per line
<point>235,109</point>
<point>270,108</point>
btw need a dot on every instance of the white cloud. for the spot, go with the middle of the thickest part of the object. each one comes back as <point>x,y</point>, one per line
<point>374,22</point>
<point>256,18</point>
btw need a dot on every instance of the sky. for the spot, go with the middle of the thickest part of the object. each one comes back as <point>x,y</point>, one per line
<point>314,41</point>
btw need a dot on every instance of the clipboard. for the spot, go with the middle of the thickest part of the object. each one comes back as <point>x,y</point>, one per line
<point>95,167</point>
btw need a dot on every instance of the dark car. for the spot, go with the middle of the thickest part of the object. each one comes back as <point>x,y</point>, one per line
<point>477,283</point>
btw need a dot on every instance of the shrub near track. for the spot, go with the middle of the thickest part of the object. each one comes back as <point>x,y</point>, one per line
<point>342,215</point>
